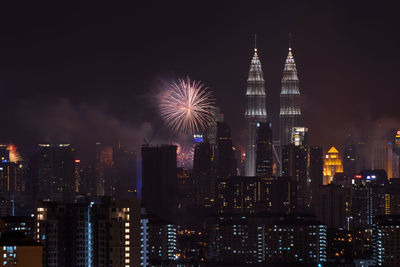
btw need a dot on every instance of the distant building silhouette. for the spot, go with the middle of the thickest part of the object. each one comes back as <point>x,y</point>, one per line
<point>159,178</point>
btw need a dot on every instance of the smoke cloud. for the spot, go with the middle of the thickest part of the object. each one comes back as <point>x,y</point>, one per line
<point>80,124</point>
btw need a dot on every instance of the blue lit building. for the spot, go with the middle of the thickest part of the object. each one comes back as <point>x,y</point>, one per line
<point>386,240</point>
<point>97,232</point>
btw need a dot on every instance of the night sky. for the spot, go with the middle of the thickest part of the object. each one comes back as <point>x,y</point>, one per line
<point>88,72</point>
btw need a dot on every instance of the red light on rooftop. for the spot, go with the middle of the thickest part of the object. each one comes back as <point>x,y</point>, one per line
<point>77,161</point>
<point>357,176</point>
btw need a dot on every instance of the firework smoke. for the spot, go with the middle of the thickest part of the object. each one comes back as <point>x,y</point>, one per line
<point>186,106</point>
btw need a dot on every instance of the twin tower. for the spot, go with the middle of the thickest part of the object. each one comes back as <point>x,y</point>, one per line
<point>256,111</point>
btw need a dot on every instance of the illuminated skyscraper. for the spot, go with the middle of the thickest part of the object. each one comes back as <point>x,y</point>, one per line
<point>255,112</point>
<point>290,113</point>
<point>332,165</point>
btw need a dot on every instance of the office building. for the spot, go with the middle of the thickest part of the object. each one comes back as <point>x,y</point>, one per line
<point>159,180</point>
<point>332,164</point>
<point>334,206</point>
<point>264,164</point>
<point>295,165</point>
<point>204,173</point>
<point>226,163</point>
<point>55,172</point>
<point>98,232</point>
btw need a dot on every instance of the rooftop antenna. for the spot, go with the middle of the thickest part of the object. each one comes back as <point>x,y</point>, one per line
<point>290,41</point>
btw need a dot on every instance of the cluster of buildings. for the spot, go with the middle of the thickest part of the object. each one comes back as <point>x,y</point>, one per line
<point>282,201</point>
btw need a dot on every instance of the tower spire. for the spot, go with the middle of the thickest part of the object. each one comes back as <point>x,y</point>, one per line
<point>290,41</point>
<point>255,42</point>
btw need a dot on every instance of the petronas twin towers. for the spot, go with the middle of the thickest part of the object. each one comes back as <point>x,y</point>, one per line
<point>256,111</point>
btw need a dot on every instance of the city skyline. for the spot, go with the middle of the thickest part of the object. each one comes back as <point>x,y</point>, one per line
<point>261,133</point>
<point>75,75</point>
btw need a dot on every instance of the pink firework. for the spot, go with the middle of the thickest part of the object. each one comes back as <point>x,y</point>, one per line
<point>186,106</point>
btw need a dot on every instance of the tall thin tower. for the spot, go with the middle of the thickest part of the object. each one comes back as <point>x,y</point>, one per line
<point>255,112</point>
<point>290,113</point>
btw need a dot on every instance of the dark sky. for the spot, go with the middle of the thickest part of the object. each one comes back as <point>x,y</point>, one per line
<point>82,72</point>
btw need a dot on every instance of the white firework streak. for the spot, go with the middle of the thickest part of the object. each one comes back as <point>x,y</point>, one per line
<point>187,106</point>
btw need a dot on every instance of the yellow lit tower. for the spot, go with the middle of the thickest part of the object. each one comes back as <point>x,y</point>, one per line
<point>332,164</point>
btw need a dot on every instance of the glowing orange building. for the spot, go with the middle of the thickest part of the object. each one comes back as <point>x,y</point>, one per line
<point>20,250</point>
<point>332,164</point>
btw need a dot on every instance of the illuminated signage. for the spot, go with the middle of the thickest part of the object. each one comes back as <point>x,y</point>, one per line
<point>198,138</point>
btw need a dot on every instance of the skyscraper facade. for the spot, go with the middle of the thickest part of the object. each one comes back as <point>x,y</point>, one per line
<point>159,178</point>
<point>226,163</point>
<point>290,113</point>
<point>332,164</point>
<point>264,150</point>
<point>255,112</point>
<point>55,171</point>
<point>316,171</point>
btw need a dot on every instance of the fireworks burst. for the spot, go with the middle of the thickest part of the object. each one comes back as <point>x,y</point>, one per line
<point>187,106</point>
<point>13,153</point>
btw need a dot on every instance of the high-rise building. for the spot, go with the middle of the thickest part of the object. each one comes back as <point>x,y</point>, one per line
<point>295,165</point>
<point>20,250</point>
<point>226,163</point>
<point>295,240</point>
<point>120,176</point>
<point>382,157</point>
<point>101,232</point>
<point>55,167</point>
<point>255,112</point>
<point>350,160</point>
<point>332,165</point>
<point>211,131</point>
<point>159,179</point>
<point>290,112</point>
<point>369,198</point>
<point>396,146</point>
<point>161,243</point>
<point>333,206</point>
<point>204,173</point>
<point>386,241</point>
<point>12,178</point>
<point>278,195</point>
<point>103,163</point>
<point>18,224</point>
<point>316,171</point>
<point>238,194</point>
<point>264,162</point>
